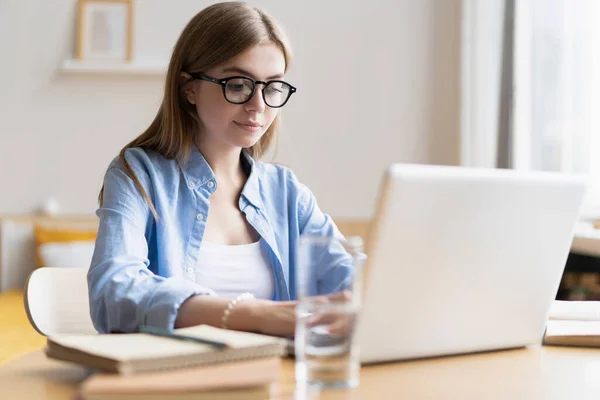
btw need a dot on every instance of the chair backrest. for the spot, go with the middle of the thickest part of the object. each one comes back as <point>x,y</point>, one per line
<point>56,301</point>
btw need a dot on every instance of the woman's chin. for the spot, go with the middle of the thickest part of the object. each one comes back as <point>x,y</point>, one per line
<point>249,140</point>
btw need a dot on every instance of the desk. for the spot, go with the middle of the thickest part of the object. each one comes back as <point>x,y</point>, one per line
<point>531,373</point>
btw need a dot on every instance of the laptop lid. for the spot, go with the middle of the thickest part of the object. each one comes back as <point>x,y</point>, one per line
<point>464,260</point>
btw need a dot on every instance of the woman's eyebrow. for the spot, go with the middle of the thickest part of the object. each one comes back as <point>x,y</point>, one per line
<point>248,73</point>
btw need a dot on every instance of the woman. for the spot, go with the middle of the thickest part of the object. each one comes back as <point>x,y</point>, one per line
<point>193,229</point>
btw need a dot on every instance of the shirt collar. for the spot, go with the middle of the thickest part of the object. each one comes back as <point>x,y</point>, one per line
<point>198,173</point>
<point>251,189</point>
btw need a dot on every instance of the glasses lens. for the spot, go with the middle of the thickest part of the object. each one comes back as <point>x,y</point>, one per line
<point>277,93</point>
<point>238,90</point>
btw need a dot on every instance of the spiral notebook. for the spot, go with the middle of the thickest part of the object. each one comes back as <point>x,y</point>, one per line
<point>140,352</point>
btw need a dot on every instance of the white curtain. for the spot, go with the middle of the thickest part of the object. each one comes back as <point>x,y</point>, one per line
<point>546,105</point>
<point>556,96</point>
<point>483,36</point>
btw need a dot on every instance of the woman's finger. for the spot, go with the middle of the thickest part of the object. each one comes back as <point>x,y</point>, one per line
<point>340,326</point>
<point>344,295</point>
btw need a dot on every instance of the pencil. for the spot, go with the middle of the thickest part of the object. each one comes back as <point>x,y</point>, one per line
<point>151,330</point>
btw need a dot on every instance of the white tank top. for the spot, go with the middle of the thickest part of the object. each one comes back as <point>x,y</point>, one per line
<point>233,270</point>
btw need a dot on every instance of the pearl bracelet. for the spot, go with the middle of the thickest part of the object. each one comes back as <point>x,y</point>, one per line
<point>231,305</point>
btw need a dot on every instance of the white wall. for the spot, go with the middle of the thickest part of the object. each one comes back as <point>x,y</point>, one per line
<point>377,83</point>
<point>482,30</point>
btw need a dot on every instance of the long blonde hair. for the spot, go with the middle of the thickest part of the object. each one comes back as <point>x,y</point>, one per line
<point>214,36</point>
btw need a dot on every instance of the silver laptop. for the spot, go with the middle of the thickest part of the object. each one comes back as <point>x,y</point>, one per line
<point>464,260</point>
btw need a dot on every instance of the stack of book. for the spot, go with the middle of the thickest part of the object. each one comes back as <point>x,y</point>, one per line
<point>200,362</point>
<point>573,323</point>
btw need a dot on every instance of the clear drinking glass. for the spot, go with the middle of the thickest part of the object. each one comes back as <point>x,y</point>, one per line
<point>327,356</point>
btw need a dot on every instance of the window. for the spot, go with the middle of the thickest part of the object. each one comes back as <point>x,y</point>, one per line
<point>556,110</point>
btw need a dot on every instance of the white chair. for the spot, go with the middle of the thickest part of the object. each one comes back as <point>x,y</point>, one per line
<point>56,301</point>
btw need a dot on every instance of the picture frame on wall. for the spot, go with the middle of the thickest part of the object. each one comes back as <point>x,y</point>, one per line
<point>104,30</point>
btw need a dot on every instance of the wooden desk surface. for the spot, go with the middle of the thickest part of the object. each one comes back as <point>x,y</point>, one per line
<point>530,373</point>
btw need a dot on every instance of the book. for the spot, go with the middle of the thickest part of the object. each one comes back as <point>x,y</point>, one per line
<point>575,310</point>
<point>130,353</point>
<point>240,380</point>
<point>573,323</point>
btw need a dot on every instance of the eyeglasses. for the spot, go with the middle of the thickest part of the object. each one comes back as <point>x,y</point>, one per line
<point>240,89</point>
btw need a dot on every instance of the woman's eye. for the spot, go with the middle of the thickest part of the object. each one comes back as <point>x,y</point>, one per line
<point>236,87</point>
<point>272,90</point>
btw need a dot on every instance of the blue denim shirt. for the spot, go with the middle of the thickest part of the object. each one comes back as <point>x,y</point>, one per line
<point>143,269</point>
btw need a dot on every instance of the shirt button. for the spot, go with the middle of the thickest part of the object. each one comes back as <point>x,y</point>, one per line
<point>210,184</point>
<point>190,270</point>
<point>191,185</point>
<point>200,217</point>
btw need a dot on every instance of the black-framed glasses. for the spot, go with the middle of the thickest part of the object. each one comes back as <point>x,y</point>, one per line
<point>240,89</point>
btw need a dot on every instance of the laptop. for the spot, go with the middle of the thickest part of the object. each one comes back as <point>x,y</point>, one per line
<point>464,260</point>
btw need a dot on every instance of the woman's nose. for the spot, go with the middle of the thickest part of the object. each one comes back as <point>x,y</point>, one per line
<point>256,102</point>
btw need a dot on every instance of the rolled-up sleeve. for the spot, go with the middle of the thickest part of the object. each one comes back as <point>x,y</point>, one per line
<point>123,292</point>
<point>335,262</point>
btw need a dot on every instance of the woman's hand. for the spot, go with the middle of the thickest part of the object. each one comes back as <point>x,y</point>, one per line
<point>278,318</point>
<point>337,323</point>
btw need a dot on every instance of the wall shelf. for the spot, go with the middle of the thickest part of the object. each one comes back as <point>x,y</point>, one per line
<point>114,67</point>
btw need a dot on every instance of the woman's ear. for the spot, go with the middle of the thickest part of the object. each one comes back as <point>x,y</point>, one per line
<point>188,87</point>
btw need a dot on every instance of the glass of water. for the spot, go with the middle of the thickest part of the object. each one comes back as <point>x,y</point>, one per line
<point>328,290</point>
